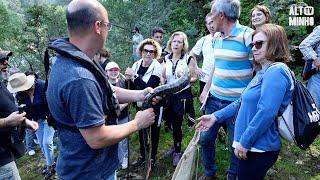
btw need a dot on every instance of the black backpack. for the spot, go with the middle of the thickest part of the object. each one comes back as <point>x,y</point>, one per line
<point>303,124</point>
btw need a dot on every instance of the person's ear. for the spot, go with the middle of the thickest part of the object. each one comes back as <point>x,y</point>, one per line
<point>97,27</point>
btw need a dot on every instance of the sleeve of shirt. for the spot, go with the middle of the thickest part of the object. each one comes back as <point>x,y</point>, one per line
<point>227,112</point>
<point>197,48</point>
<point>268,105</point>
<point>307,45</point>
<point>83,99</point>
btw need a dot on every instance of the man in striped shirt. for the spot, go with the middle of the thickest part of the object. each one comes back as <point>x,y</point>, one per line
<point>229,77</point>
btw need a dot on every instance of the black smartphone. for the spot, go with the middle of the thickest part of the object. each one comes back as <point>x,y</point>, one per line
<point>21,108</point>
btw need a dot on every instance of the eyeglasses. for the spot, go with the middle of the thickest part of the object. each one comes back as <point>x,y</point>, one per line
<point>107,24</point>
<point>149,51</point>
<point>257,44</point>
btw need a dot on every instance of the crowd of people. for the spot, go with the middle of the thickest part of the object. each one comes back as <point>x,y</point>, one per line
<point>87,96</point>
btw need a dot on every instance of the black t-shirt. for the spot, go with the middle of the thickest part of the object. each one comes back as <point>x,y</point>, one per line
<point>7,106</point>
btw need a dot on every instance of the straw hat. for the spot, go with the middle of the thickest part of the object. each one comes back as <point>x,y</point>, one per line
<point>20,82</point>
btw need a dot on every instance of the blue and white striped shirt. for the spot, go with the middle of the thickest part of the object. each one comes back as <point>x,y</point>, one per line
<point>233,68</point>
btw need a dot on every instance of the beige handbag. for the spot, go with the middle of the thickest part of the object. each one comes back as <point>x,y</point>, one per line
<point>188,163</point>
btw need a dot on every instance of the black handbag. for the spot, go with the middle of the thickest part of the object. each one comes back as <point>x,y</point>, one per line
<point>17,146</point>
<point>308,71</point>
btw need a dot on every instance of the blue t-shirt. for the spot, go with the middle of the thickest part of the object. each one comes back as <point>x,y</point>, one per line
<point>75,98</point>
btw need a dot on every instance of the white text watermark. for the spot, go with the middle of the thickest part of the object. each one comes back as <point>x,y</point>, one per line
<point>301,15</point>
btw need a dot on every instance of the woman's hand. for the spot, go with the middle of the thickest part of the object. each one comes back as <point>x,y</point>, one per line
<point>241,152</point>
<point>206,122</point>
<point>129,73</point>
<point>32,125</point>
<point>200,73</point>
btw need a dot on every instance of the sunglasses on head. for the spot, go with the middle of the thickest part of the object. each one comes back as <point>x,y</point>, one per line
<point>149,51</point>
<point>257,44</point>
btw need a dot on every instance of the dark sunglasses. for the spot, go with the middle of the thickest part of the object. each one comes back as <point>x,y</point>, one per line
<point>149,51</point>
<point>3,60</point>
<point>257,44</point>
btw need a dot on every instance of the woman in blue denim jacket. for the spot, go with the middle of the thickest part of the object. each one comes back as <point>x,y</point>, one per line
<point>256,138</point>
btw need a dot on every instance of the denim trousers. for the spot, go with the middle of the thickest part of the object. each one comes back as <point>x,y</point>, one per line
<point>9,172</point>
<point>208,138</point>
<point>45,135</point>
<point>256,165</point>
<point>113,176</point>
<point>29,140</point>
<point>314,88</point>
<point>123,144</point>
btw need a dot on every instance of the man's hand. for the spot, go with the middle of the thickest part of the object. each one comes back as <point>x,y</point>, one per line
<point>32,125</point>
<point>14,119</point>
<point>145,118</point>
<point>241,152</point>
<point>317,63</point>
<point>206,122</point>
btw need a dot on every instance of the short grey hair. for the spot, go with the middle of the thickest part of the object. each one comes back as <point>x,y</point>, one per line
<point>230,8</point>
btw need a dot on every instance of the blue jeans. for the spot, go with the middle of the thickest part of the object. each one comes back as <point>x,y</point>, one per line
<point>9,172</point>
<point>45,135</point>
<point>30,136</point>
<point>112,176</point>
<point>208,138</point>
<point>123,144</point>
<point>314,88</point>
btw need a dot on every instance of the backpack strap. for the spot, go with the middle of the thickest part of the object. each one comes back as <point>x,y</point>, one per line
<point>46,63</point>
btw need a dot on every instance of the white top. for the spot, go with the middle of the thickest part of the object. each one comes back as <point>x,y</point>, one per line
<point>204,47</point>
<point>171,72</point>
<point>155,68</point>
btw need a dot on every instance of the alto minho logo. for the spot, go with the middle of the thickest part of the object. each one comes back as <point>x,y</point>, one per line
<point>301,15</point>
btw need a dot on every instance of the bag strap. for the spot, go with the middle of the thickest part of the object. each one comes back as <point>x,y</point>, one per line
<point>288,128</point>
